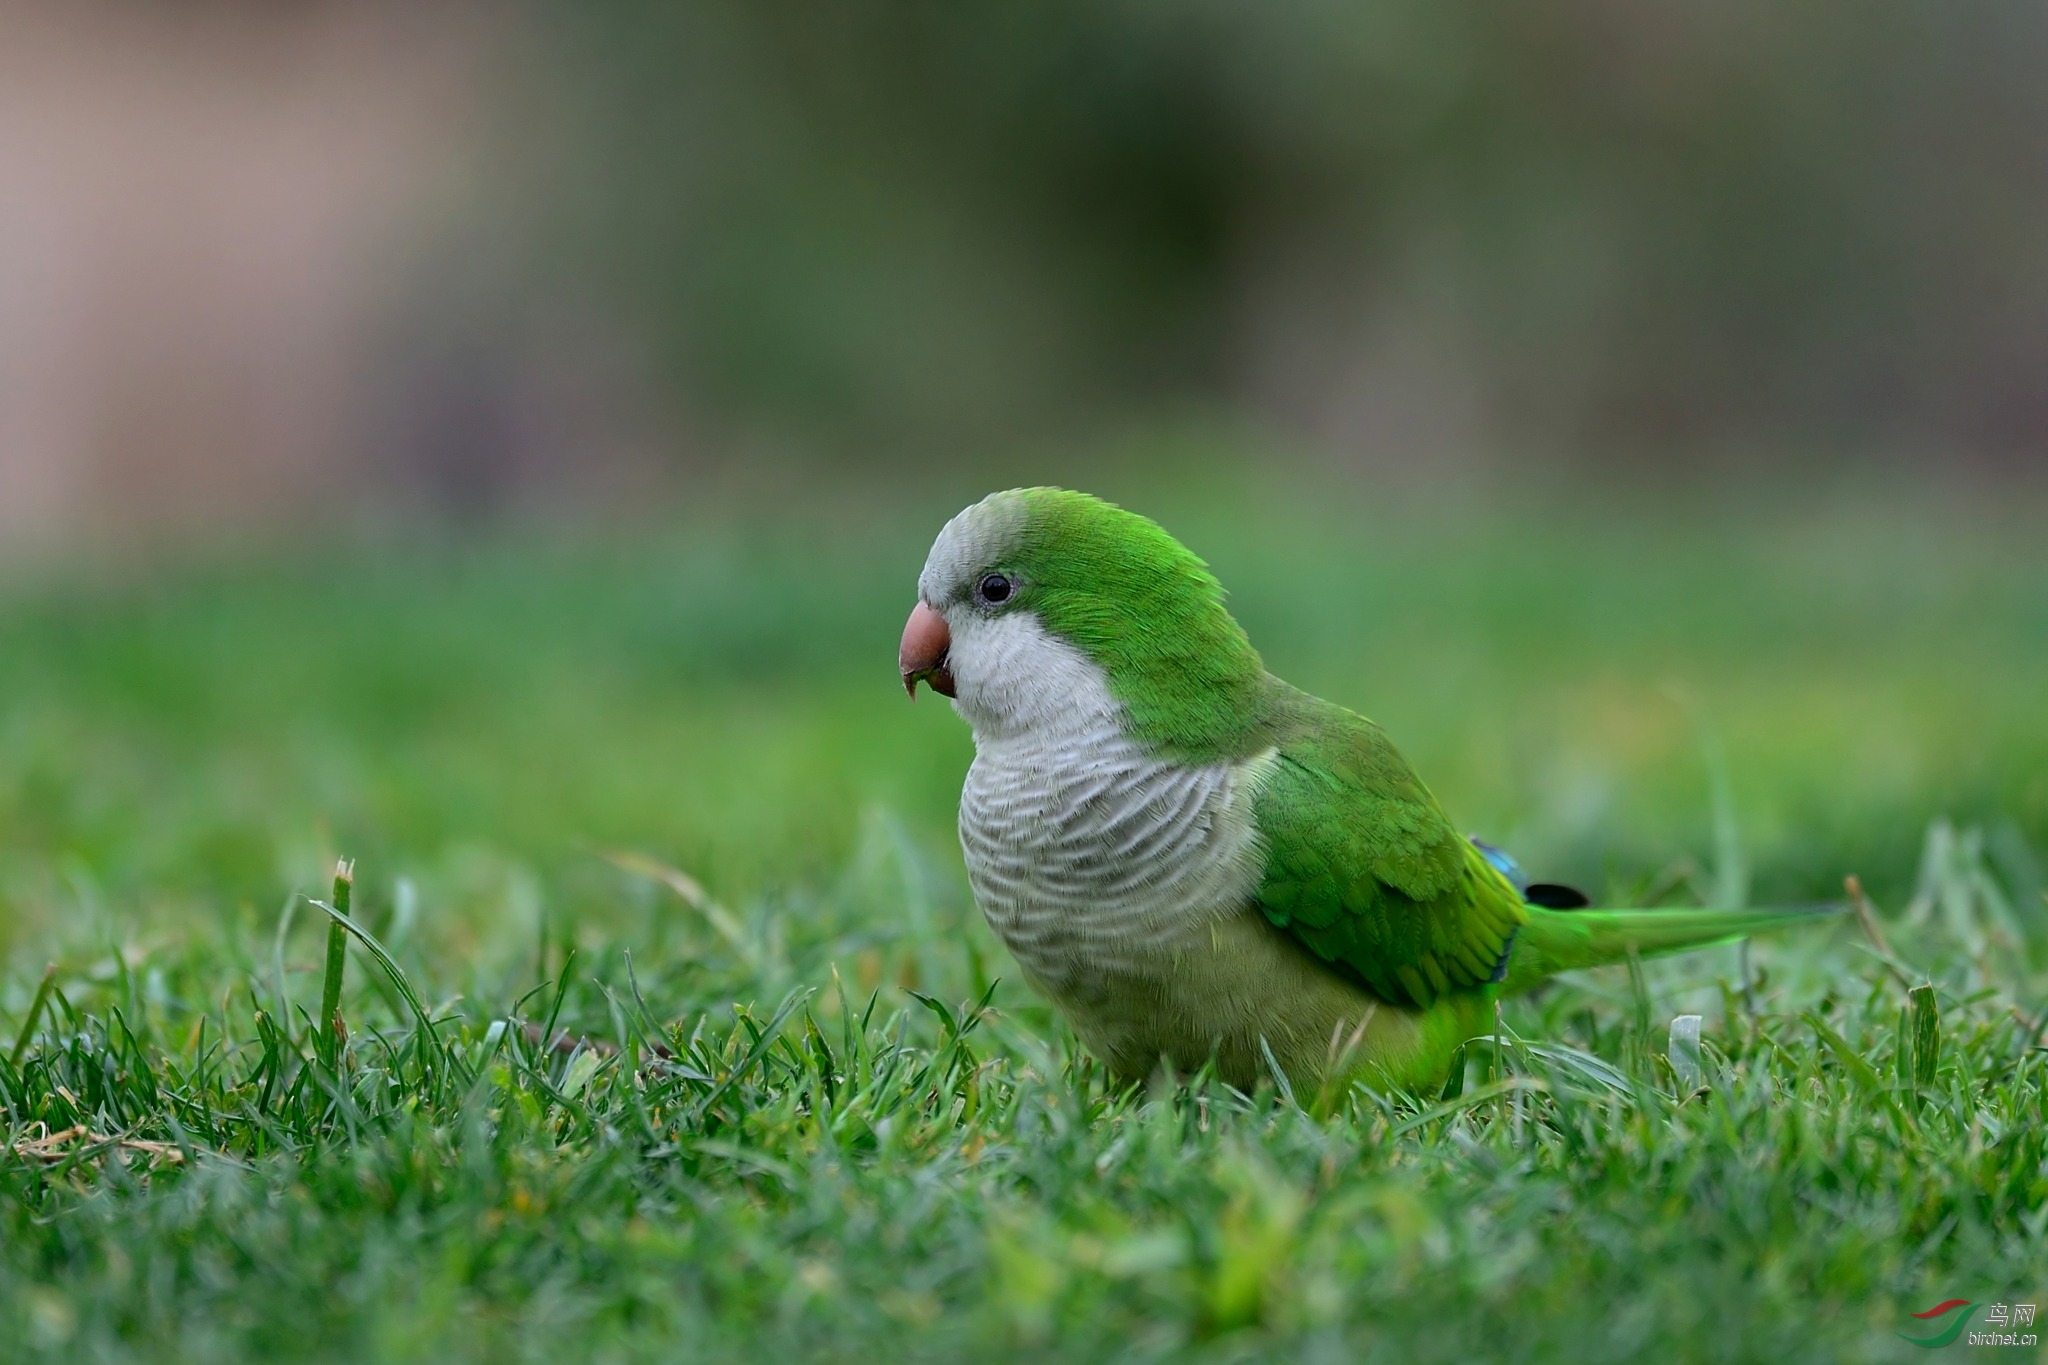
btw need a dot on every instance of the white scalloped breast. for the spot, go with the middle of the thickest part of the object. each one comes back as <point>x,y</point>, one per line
<point>1089,858</point>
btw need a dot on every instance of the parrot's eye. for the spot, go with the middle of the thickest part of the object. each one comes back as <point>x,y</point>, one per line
<point>994,588</point>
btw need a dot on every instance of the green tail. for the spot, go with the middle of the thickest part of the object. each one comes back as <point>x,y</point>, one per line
<point>1562,940</point>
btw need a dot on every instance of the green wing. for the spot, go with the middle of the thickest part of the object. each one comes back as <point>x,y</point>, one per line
<point>1364,868</point>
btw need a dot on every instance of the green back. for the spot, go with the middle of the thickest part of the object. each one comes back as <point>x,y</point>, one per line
<point>1365,869</point>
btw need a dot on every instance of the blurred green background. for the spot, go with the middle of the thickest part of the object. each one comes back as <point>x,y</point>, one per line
<point>485,714</point>
<point>1604,236</point>
<point>469,437</point>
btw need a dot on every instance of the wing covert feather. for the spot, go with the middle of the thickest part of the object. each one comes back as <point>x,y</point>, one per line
<point>1365,869</point>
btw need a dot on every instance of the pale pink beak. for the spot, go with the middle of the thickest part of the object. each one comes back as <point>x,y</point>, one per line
<point>923,655</point>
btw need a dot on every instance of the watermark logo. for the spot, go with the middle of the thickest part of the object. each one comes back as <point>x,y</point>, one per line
<point>2000,1323</point>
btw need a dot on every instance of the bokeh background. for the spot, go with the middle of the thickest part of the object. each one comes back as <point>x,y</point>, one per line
<point>468,436</point>
<point>258,260</point>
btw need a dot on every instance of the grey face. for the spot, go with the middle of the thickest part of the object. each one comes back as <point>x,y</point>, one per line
<point>969,546</point>
<point>977,643</point>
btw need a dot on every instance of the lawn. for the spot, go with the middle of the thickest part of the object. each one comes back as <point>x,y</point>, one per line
<point>680,1038</point>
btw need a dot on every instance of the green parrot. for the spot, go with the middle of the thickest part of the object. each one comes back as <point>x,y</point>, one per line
<point>1197,862</point>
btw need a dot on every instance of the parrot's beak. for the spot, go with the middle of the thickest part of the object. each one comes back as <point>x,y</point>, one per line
<point>923,655</point>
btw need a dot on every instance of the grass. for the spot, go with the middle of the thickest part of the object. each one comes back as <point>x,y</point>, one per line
<point>669,1031</point>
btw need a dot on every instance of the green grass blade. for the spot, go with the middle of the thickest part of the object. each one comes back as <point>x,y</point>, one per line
<point>35,1012</point>
<point>329,1031</point>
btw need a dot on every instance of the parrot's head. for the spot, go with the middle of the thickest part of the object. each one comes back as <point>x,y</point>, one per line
<point>1038,603</point>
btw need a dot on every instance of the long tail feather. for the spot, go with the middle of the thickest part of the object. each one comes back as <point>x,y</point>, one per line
<point>1563,940</point>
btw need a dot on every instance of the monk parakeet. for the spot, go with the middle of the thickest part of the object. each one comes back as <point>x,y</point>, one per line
<point>1195,861</point>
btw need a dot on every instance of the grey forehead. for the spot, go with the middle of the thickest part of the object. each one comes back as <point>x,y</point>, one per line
<point>972,541</point>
